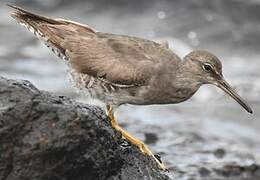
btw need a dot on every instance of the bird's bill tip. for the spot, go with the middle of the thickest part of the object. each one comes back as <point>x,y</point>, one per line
<point>222,84</point>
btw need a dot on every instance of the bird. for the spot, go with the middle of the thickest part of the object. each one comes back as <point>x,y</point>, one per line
<point>120,69</point>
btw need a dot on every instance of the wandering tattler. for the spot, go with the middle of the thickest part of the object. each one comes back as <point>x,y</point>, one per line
<point>119,69</point>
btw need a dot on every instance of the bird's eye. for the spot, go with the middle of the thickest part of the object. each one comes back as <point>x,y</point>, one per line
<point>207,67</point>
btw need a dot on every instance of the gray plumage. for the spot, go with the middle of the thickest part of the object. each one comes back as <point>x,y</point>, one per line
<point>119,69</point>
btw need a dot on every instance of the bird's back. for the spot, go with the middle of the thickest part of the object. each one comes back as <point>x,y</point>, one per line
<point>111,66</point>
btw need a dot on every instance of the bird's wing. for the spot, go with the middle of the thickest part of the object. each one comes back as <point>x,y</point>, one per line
<point>113,60</point>
<point>116,59</point>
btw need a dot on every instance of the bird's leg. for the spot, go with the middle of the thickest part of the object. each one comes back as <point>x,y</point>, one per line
<point>143,148</point>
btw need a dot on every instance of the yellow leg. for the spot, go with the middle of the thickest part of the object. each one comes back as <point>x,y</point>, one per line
<point>143,148</point>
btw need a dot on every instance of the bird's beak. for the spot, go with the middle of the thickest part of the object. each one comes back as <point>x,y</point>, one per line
<point>222,84</point>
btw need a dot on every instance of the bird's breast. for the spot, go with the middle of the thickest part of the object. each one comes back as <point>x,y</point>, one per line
<point>167,93</point>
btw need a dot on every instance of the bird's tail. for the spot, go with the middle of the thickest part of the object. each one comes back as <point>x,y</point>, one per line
<point>38,26</point>
<point>22,15</point>
<point>31,21</point>
<point>51,31</point>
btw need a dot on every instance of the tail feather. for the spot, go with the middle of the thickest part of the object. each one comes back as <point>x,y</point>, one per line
<point>37,25</point>
<point>32,22</point>
<point>51,31</point>
<point>23,15</point>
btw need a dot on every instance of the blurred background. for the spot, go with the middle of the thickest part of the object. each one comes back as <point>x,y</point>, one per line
<point>210,122</point>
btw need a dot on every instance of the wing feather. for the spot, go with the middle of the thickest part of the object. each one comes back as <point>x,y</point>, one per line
<point>124,61</point>
<point>114,60</point>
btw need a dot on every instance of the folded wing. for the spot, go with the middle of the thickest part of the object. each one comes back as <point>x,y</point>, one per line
<point>116,59</point>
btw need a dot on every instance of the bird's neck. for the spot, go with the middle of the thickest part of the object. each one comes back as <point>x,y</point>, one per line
<point>185,83</point>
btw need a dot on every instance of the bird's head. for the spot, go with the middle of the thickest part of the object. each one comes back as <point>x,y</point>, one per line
<point>207,69</point>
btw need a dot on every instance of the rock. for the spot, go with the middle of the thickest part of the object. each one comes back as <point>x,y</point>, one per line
<point>150,138</point>
<point>46,137</point>
<point>236,172</point>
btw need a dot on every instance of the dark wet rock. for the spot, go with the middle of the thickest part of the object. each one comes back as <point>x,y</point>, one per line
<point>204,171</point>
<point>220,153</point>
<point>234,171</point>
<point>47,137</point>
<point>150,138</point>
<point>43,136</point>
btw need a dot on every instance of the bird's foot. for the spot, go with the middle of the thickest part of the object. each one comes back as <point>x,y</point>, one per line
<point>143,148</point>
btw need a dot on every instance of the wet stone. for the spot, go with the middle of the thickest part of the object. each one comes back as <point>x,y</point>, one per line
<point>204,171</point>
<point>257,172</point>
<point>219,153</point>
<point>150,138</point>
<point>43,136</point>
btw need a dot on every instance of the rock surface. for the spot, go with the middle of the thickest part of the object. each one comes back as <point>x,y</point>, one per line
<point>46,137</point>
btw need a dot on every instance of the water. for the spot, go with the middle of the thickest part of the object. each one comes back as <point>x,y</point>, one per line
<point>190,132</point>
